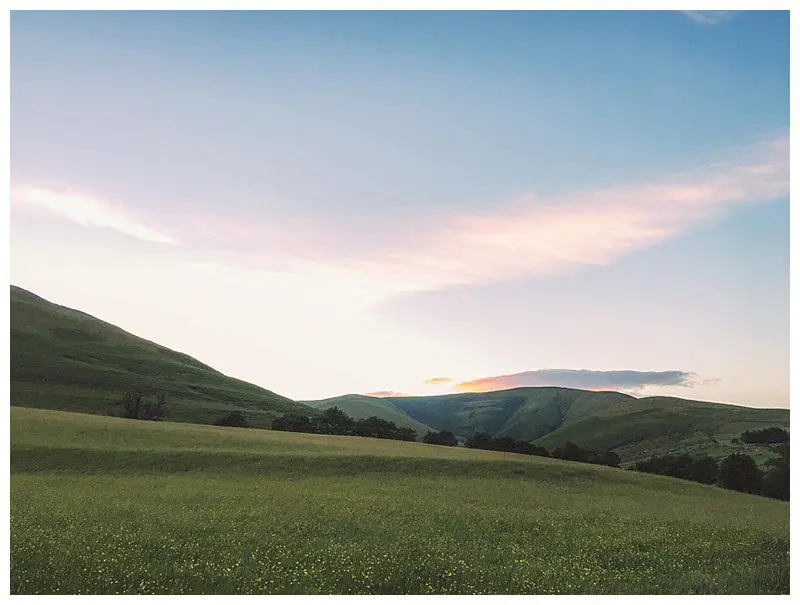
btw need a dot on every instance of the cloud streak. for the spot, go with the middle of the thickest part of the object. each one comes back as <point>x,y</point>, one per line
<point>85,211</point>
<point>593,380</point>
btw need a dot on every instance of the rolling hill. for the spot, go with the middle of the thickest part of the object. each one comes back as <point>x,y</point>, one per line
<point>549,416</point>
<point>65,359</point>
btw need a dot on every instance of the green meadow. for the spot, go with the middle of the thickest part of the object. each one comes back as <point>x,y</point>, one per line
<point>114,506</point>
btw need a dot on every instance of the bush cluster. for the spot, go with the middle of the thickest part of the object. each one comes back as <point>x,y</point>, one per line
<point>334,421</point>
<point>484,441</point>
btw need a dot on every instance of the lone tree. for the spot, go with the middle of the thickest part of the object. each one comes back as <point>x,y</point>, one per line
<point>233,419</point>
<point>142,405</point>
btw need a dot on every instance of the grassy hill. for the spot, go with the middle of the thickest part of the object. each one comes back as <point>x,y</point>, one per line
<point>108,505</point>
<point>65,359</point>
<point>549,416</point>
<point>364,406</point>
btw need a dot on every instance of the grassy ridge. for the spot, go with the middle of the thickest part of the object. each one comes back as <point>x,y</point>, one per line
<point>105,505</point>
<point>65,359</point>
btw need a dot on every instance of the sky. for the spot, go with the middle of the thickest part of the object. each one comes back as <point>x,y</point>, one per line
<point>418,202</point>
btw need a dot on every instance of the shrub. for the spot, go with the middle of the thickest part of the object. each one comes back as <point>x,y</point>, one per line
<point>141,405</point>
<point>233,419</point>
<point>440,438</point>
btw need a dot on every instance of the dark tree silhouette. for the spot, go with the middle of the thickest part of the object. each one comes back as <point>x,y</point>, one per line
<point>776,480</point>
<point>233,419</point>
<point>334,421</point>
<point>142,405</point>
<point>570,451</point>
<point>704,470</point>
<point>740,472</point>
<point>483,441</point>
<point>480,441</point>
<point>440,438</point>
<point>297,423</point>
<point>382,429</point>
<point>606,458</point>
<point>773,434</point>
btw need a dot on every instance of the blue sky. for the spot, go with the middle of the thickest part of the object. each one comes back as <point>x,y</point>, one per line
<point>359,202</point>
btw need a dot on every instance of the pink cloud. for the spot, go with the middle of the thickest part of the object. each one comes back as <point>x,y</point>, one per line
<point>626,381</point>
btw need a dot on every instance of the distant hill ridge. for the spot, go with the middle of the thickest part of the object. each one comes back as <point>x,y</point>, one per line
<point>550,416</point>
<point>62,358</point>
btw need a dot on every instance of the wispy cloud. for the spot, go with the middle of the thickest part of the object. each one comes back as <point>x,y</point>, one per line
<point>709,17</point>
<point>438,380</point>
<point>540,236</point>
<point>84,210</point>
<point>594,380</point>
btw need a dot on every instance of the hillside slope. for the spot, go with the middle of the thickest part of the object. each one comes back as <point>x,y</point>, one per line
<point>64,359</point>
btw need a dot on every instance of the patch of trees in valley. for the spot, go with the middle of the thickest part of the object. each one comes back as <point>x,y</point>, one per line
<point>334,421</point>
<point>738,471</point>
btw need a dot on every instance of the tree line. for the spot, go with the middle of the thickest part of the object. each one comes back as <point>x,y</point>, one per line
<point>567,451</point>
<point>770,435</point>
<point>737,471</point>
<point>334,421</point>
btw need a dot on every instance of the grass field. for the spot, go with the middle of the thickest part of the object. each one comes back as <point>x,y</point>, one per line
<point>106,505</point>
